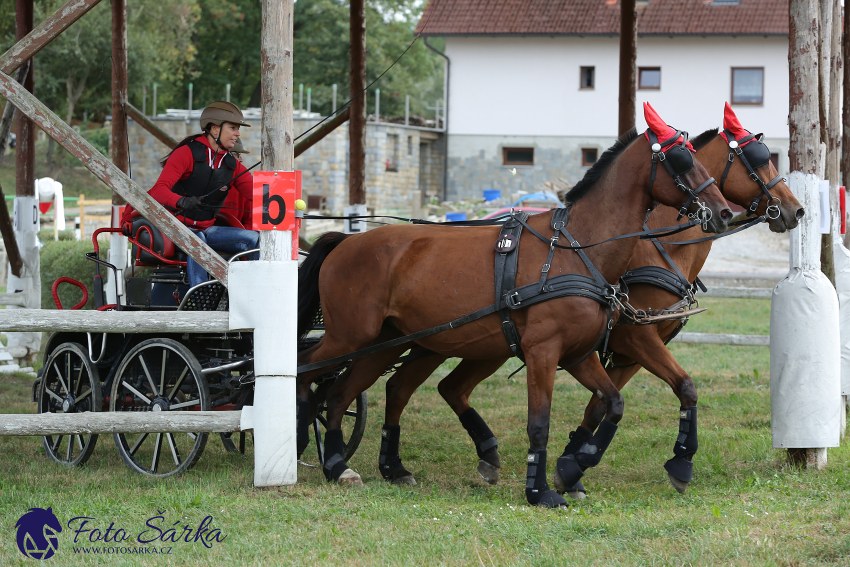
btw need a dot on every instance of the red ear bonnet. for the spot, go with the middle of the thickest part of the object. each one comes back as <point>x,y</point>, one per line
<point>660,128</point>
<point>731,123</point>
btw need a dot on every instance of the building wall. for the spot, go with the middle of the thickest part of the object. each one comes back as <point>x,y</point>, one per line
<point>393,181</point>
<point>524,92</point>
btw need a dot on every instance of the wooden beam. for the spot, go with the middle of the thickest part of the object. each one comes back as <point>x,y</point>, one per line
<point>24,320</point>
<point>148,125</point>
<point>739,292</point>
<point>44,33</point>
<point>87,423</point>
<point>721,339</point>
<point>7,230</point>
<point>628,57</point>
<point>319,133</point>
<point>113,177</point>
<point>357,122</point>
<point>25,141</point>
<point>120,142</point>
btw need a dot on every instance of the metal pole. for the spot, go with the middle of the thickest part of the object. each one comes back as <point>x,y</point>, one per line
<point>437,115</point>
<point>333,105</point>
<point>407,110</point>
<point>309,99</point>
<point>189,112</point>
<point>377,105</point>
<point>300,97</point>
<point>357,122</point>
<point>227,92</point>
<point>628,57</point>
<point>145,101</point>
<point>154,100</point>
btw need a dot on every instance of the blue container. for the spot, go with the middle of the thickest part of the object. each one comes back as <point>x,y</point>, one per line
<point>492,194</point>
<point>455,216</point>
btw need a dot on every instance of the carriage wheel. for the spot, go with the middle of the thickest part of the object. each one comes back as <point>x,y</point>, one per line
<point>69,384</point>
<point>353,426</point>
<point>160,375</point>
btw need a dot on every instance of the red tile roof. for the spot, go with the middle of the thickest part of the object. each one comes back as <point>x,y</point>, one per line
<point>602,17</point>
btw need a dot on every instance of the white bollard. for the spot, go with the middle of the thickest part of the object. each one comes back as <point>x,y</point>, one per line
<point>118,258</point>
<point>805,368</point>
<point>26,225</point>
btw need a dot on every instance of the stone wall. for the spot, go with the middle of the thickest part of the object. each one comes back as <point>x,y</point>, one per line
<point>393,181</point>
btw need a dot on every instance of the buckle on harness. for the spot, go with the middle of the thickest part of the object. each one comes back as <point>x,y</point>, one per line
<point>511,301</point>
<point>545,269</point>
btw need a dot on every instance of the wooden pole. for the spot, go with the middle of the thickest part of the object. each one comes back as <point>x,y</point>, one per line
<point>103,169</point>
<point>148,125</point>
<point>628,58</point>
<point>120,151</point>
<point>25,144</point>
<point>44,33</point>
<point>845,139</point>
<point>357,122</point>
<point>16,262</point>
<point>319,133</point>
<point>106,422</point>
<point>830,130</point>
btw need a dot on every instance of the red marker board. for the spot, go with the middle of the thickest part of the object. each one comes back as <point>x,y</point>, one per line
<point>273,205</point>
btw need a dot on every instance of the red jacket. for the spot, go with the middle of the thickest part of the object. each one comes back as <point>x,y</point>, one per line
<point>178,167</point>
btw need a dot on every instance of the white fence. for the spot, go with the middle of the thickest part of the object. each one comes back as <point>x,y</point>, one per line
<point>728,339</point>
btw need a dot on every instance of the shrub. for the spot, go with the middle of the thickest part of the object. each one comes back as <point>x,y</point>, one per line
<point>67,258</point>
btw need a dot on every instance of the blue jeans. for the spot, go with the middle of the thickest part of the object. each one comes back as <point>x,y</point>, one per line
<point>226,239</point>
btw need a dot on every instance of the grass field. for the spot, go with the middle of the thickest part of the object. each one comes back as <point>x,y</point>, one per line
<point>745,506</point>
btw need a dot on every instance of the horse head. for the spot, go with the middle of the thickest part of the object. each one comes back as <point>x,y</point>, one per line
<point>747,177</point>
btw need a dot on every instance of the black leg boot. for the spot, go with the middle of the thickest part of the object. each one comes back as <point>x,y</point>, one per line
<point>537,490</point>
<point>680,468</point>
<point>572,467</point>
<point>302,425</point>
<point>389,462</point>
<point>486,445</point>
<point>334,455</point>
<point>577,438</point>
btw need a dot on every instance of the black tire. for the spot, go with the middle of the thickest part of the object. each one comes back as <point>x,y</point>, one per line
<point>160,375</point>
<point>69,384</point>
<point>353,426</point>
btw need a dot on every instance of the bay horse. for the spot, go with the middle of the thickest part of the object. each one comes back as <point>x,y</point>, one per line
<point>634,346</point>
<point>399,279</point>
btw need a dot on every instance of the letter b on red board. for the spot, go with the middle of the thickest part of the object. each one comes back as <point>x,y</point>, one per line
<point>274,199</point>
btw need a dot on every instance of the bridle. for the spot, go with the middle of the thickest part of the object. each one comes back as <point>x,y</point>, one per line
<point>759,154</point>
<point>678,160</point>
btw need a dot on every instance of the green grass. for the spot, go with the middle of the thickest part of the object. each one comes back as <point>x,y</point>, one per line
<point>745,506</point>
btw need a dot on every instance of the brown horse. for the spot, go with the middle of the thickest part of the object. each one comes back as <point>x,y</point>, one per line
<point>635,346</point>
<point>401,279</point>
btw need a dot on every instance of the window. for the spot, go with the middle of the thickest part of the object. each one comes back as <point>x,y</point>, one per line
<point>588,78</point>
<point>649,77</point>
<point>774,159</point>
<point>392,152</point>
<point>517,156</point>
<point>589,156</point>
<point>410,145</point>
<point>747,85</point>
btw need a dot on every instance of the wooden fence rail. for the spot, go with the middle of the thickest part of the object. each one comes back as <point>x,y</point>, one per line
<point>120,422</point>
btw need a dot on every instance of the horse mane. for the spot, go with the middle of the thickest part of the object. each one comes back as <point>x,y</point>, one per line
<point>703,139</point>
<point>593,174</point>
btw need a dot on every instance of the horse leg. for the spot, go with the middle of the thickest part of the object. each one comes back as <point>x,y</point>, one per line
<point>592,376</point>
<point>358,378</point>
<point>456,389</point>
<point>400,388</point>
<point>593,415</point>
<point>541,380</point>
<point>644,345</point>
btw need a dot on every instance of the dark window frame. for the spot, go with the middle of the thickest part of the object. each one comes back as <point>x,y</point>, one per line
<point>505,151</point>
<point>732,86</point>
<point>581,78</point>
<point>584,161</point>
<point>640,76</point>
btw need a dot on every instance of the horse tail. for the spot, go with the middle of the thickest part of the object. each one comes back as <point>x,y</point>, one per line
<point>309,301</point>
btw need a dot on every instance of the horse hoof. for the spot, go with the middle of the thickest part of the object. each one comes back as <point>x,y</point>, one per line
<point>576,492</point>
<point>680,486</point>
<point>488,472</point>
<point>406,480</point>
<point>350,478</point>
<point>560,487</point>
<point>577,495</point>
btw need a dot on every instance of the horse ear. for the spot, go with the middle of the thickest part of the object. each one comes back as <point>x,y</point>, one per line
<point>731,123</point>
<point>655,123</point>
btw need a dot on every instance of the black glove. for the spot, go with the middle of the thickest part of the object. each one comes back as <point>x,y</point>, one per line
<point>188,203</point>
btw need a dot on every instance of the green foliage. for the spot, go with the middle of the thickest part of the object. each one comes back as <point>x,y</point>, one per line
<point>67,258</point>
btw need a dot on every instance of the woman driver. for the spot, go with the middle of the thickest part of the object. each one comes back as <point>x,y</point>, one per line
<point>196,178</point>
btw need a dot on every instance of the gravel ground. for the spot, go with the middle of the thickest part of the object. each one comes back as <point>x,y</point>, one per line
<point>755,250</point>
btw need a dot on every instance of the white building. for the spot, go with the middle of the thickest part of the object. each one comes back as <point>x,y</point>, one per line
<point>533,84</point>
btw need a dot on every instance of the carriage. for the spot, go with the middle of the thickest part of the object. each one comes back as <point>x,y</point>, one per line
<point>136,372</point>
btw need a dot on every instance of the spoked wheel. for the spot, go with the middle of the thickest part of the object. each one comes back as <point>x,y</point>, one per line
<point>160,375</point>
<point>69,384</point>
<point>353,424</point>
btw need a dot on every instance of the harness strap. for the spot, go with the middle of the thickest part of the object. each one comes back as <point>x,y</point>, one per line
<point>505,277</point>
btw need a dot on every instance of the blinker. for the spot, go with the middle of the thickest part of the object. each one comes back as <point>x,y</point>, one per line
<point>681,160</point>
<point>757,153</point>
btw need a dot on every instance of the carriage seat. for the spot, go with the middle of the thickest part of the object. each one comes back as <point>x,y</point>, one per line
<point>162,245</point>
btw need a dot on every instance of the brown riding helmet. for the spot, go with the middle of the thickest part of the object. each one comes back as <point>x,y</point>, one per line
<point>220,112</point>
<point>238,148</point>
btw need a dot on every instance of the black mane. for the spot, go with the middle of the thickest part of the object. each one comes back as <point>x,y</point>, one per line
<point>593,174</point>
<point>703,139</point>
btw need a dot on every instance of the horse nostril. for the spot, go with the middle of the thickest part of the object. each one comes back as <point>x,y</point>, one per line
<point>726,214</point>
<point>801,212</point>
